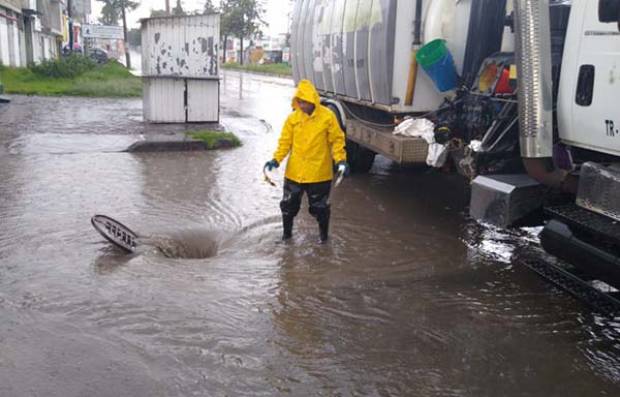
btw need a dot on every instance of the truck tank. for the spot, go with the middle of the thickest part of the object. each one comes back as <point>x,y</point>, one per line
<point>360,50</point>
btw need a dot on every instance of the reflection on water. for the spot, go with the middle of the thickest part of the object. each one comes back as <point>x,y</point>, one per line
<point>409,297</point>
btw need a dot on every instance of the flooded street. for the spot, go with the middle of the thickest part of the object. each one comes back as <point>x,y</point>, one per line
<point>409,298</point>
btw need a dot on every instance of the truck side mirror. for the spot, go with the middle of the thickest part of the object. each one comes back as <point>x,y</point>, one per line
<point>609,11</point>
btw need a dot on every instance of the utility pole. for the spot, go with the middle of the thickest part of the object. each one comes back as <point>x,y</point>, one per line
<point>69,15</point>
<point>167,7</point>
<point>127,57</point>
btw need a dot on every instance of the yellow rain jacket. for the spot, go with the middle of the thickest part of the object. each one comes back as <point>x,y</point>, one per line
<point>312,141</point>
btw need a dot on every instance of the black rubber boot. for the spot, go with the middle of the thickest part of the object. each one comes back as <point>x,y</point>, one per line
<point>324,231</point>
<point>287,224</point>
<point>318,198</point>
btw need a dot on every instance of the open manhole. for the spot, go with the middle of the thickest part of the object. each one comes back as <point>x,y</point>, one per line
<point>191,244</point>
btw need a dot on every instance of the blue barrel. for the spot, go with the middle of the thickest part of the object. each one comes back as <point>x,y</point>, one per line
<point>437,62</point>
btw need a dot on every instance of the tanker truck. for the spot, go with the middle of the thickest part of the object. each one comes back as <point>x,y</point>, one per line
<point>532,120</point>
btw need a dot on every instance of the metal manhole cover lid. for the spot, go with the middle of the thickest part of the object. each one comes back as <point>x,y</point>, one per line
<point>115,232</point>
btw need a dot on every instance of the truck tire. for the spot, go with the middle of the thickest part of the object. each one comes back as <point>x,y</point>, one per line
<point>360,159</point>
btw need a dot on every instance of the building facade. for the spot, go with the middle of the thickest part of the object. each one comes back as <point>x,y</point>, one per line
<point>258,50</point>
<point>35,30</point>
<point>12,40</point>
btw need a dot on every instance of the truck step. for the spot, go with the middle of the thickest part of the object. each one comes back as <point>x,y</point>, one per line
<point>591,258</point>
<point>588,221</point>
<point>605,302</point>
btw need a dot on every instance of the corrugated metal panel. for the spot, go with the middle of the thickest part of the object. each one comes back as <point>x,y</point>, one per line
<point>181,46</point>
<point>348,47</point>
<point>22,46</point>
<point>337,47</point>
<point>368,54</point>
<point>362,23</point>
<point>16,50</point>
<point>180,62</point>
<point>4,42</point>
<point>308,42</point>
<point>299,45</point>
<point>381,50</point>
<point>317,59</point>
<point>164,100</point>
<point>326,44</point>
<point>294,37</point>
<point>203,101</point>
<point>146,100</point>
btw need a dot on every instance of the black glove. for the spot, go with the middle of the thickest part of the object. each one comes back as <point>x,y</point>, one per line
<point>271,164</point>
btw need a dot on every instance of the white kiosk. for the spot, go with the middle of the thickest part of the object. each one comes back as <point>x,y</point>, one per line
<point>180,69</point>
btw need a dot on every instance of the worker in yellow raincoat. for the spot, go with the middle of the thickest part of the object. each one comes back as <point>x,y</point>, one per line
<point>314,140</point>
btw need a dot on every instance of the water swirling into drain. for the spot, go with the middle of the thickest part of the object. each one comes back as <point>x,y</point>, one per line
<point>187,244</point>
<point>199,244</point>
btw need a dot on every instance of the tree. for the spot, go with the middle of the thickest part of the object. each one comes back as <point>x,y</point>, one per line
<point>178,10</point>
<point>226,30</point>
<point>209,8</point>
<point>243,19</point>
<point>158,13</point>
<point>121,7</point>
<point>109,15</point>
<point>111,11</point>
<point>134,36</point>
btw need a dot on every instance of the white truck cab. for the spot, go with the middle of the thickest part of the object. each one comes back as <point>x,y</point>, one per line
<point>588,107</point>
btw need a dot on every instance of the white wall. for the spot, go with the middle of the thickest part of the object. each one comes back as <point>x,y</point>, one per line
<point>4,42</point>
<point>44,47</point>
<point>12,51</point>
<point>14,45</point>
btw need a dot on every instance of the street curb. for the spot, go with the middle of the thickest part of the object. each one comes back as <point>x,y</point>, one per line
<point>282,76</point>
<point>176,146</point>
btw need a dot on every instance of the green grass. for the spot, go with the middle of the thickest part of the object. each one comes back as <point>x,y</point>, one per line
<point>281,69</point>
<point>212,138</point>
<point>109,80</point>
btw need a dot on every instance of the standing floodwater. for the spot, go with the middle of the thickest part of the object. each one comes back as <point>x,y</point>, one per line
<point>409,297</point>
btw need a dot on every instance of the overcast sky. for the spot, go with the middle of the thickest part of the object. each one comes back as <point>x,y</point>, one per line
<point>276,14</point>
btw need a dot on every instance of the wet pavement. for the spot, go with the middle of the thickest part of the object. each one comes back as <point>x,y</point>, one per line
<point>410,297</point>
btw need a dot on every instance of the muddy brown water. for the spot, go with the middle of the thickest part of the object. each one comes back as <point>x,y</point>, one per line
<point>410,297</point>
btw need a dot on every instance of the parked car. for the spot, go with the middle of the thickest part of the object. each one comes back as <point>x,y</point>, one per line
<point>77,49</point>
<point>98,55</point>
